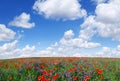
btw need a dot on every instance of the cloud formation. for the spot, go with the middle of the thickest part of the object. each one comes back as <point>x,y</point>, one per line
<point>106,22</point>
<point>23,21</point>
<point>6,33</point>
<point>60,9</point>
<point>77,42</point>
<point>11,50</point>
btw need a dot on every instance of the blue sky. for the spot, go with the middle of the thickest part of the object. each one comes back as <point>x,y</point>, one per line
<point>59,28</point>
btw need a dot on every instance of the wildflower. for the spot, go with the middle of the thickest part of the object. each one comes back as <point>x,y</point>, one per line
<point>87,78</point>
<point>70,70</point>
<point>75,78</point>
<point>48,79</point>
<point>50,71</point>
<point>43,78</point>
<point>97,69</point>
<point>30,62</point>
<point>55,76</point>
<point>55,68</point>
<point>99,72</point>
<point>55,63</point>
<point>44,72</point>
<point>80,67</point>
<point>16,66</point>
<point>39,78</point>
<point>74,69</point>
<point>101,77</point>
<point>10,79</point>
<point>29,67</point>
<point>48,74</point>
<point>42,66</point>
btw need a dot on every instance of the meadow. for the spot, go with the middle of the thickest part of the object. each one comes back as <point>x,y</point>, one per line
<point>60,69</point>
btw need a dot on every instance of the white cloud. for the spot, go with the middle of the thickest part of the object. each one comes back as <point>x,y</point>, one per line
<point>109,52</point>
<point>11,50</point>
<point>103,24</point>
<point>27,49</point>
<point>99,1</point>
<point>60,9</point>
<point>108,13</point>
<point>68,34</point>
<point>6,33</point>
<point>23,21</point>
<point>106,51</point>
<point>78,42</point>
<point>118,47</point>
<point>8,47</point>
<point>67,46</point>
<point>106,23</point>
<point>87,33</point>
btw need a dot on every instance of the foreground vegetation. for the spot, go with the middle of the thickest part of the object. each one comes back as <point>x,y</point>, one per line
<point>60,69</point>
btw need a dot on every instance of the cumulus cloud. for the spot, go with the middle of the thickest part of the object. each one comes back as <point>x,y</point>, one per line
<point>11,50</point>
<point>59,9</point>
<point>6,33</point>
<point>108,13</point>
<point>109,52</point>
<point>8,46</point>
<point>106,23</point>
<point>68,45</point>
<point>106,51</point>
<point>23,21</point>
<point>78,42</point>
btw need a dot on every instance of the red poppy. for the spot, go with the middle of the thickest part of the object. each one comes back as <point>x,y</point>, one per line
<point>70,70</point>
<point>29,67</point>
<point>74,69</point>
<point>42,66</point>
<point>50,71</point>
<point>39,78</point>
<point>99,72</point>
<point>10,79</point>
<point>44,72</point>
<point>55,68</point>
<point>48,79</point>
<point>87,78</point>
<point>75,78</point>
<point>55,76</point>
<point>80,67</point>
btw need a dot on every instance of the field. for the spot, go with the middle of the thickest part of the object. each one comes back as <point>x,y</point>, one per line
<point>60,69</point>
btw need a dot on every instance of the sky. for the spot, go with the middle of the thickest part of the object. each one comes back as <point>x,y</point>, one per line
<point>55,28</point>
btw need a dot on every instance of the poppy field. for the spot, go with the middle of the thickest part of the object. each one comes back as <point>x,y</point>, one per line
<point>60,69</point>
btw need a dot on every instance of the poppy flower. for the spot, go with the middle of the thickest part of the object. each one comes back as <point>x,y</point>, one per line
<point>55,76</point>
<point>42,66</point>
<point>75,78</point>
<point>80,67</point>
<point>29,67</point>
<point>99,72</point>
<point>39,78</point>
<point>10,79</point>
<point>87,78</point>
<point>44,72</point>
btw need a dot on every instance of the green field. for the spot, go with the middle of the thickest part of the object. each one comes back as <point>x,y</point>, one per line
<point>60,69</point>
